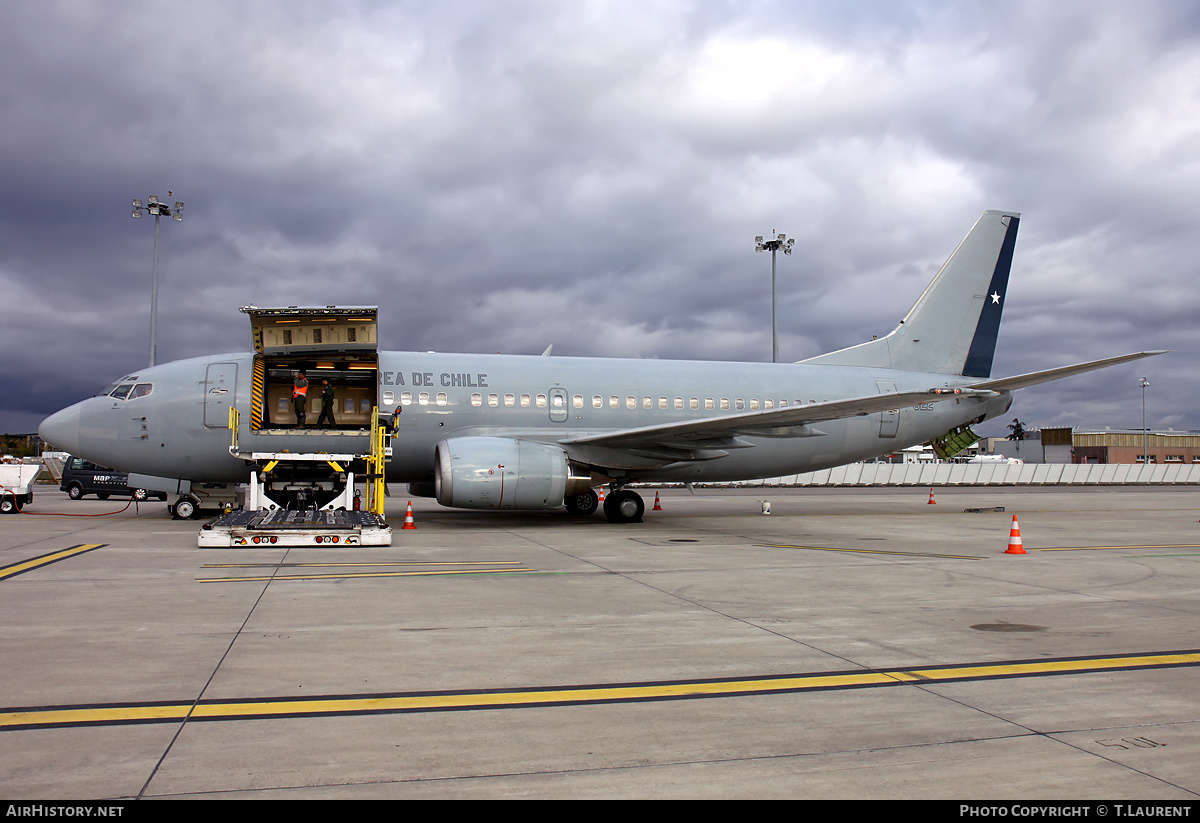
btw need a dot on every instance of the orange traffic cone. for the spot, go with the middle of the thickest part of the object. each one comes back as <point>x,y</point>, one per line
<point>932,502</point>
<point>657,507</point>
<point>1014,539</point>
<point>601,494</point>
<point>409,523</point>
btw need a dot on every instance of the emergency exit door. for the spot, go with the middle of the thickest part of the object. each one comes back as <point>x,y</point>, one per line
<point>558,406</point>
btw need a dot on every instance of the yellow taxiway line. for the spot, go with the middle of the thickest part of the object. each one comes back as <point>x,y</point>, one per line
<point>1099,548</point>
<point>294,707</point>
<point>23,566</point>
<point>356,575</point>
<point>870,551</point>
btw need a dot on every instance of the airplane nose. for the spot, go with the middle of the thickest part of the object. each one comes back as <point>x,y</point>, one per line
<point>61,430</point>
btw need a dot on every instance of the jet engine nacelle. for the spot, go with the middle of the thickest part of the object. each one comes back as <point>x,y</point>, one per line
<point>502,473</point>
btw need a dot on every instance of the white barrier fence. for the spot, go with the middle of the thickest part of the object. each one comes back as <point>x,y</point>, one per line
<point>990,474</point>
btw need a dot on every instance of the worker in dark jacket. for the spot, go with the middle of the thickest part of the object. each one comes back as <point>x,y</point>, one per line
<point>327,403</point>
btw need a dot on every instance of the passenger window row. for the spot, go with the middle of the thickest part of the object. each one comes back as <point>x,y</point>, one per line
<point>614,402</point>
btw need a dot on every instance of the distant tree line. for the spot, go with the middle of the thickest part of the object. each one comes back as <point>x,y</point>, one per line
<point>18,445</point>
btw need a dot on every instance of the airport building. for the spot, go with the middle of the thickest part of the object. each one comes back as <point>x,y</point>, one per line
<point>1067,445</point>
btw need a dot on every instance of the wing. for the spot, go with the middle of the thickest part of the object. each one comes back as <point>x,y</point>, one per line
<point>794,421</point>
<point>710,437</point>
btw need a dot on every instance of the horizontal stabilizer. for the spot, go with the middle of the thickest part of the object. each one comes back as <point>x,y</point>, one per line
<point>1020,381</point>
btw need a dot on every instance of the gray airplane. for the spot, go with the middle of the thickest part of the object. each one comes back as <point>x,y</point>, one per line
<point>526,432</point>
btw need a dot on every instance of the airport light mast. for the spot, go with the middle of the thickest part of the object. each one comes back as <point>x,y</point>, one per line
<point>1145,432</point>
<point>158,209</point>
<point>776,243</point>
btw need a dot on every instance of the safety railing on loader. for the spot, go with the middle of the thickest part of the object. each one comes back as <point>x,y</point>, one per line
<point>381,435</point>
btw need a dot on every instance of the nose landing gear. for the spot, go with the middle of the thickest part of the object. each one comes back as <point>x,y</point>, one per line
<point>185,508</point>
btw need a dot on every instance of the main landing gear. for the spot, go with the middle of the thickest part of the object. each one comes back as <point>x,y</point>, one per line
<point>624,506</point>
<point>583,504</point>
<point>620,505</point>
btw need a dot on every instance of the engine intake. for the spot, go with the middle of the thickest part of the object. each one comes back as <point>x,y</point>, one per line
<point>502,473</point>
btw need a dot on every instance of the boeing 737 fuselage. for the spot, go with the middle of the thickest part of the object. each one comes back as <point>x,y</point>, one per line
<point>520,432</point>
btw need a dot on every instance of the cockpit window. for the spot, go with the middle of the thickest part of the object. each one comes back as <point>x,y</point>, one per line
<point>126,391</point>
<point>126,388</point>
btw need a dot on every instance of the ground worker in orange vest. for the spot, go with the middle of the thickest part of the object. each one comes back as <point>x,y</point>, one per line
<point>300,397</point>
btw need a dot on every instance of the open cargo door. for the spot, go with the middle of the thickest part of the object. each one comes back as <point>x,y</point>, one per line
<point>334,343</point>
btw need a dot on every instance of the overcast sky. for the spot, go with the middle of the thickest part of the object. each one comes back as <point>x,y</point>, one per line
<point>499,176</point>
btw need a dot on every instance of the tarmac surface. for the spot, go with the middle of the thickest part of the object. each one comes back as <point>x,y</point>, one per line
<point>854,643</point>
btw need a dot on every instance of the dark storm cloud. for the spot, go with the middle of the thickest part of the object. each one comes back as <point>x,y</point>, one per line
<point>502,176</point>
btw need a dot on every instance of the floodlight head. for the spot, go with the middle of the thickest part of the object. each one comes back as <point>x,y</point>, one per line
<point>178,205</point>
<point>152,200</point>
<point>137,204</point>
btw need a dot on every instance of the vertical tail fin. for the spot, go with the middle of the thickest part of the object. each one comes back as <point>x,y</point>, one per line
<point>952,328</point>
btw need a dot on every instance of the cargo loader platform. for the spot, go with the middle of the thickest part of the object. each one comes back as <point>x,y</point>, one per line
<point>306,498</point>
<point>307,527</point>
